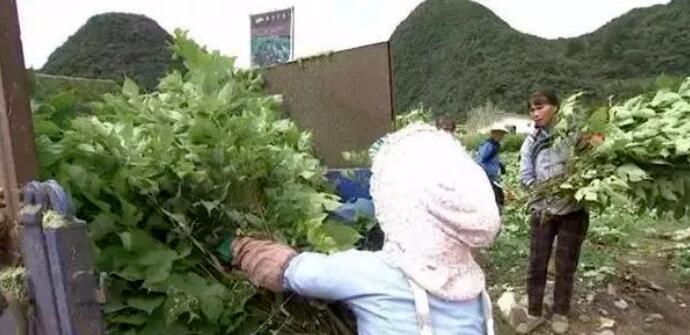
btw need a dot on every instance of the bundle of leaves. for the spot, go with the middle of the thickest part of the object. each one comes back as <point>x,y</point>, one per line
<point>644,160</point>
<point>166,179</point>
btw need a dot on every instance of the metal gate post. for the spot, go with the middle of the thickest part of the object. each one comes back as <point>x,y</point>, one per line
<point>60,265</point>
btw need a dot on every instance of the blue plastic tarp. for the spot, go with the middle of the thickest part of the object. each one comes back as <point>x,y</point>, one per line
<point>350,184</point>
<point>348,213</point>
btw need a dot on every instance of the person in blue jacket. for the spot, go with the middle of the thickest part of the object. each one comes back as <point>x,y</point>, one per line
<point>488,157</point>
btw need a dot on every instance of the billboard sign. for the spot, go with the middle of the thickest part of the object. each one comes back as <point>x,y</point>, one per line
<point>272,37</point>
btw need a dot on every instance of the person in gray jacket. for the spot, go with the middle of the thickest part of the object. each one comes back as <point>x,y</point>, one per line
<point>540,160</point>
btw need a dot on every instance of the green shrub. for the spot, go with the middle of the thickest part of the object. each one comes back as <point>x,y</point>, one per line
<point>681,262</point>
<point>44,86</point>
<point>473,141</point>
<point>510,143</point>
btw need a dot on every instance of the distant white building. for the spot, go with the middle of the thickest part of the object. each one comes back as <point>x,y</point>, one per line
<point>521,124</point>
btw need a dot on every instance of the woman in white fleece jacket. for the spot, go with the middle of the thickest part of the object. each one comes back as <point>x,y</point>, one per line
<point>434,205</point>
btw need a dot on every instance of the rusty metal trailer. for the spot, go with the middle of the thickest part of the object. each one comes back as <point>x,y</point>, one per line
<point>61,283</point>
<point>344,98</point>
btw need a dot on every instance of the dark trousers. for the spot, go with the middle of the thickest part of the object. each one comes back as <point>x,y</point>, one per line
<point>571,230</point>
<point>499,195</point>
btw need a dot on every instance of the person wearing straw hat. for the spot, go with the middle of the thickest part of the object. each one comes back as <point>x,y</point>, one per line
<point>434,205</point>
<point>488,157</point>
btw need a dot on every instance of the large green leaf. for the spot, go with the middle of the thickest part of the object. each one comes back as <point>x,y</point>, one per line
<point>158,265</point>
<point>146,303</point>
<point>631,172</point>
<point>598,120</point>
<point>136,319</point>
<point>130,88</point>
<point>343,235</point>
<point>683,146</point>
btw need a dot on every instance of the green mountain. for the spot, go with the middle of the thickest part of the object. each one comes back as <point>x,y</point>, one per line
<point>114,45</point>
<point>453,55</point>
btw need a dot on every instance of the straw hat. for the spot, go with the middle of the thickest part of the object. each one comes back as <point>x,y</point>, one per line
<point>499,127</point>
<point>434,204</point>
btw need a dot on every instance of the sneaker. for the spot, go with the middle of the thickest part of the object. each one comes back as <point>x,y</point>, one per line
<point>532,323</point>
<point>559,324</point>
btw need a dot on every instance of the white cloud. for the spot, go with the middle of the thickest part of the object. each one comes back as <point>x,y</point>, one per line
<point>321,25</point>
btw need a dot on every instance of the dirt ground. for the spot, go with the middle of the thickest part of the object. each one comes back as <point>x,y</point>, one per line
<point>656,302</point>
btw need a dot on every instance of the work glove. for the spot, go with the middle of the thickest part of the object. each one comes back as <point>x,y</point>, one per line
<point>263,261</point>
<point>587,141</point>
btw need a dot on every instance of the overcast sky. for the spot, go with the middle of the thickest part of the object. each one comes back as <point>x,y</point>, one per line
<point>320,25</point>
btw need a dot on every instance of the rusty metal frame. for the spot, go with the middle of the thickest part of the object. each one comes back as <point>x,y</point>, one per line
<point>18,163</point>
<point>345,98</point>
